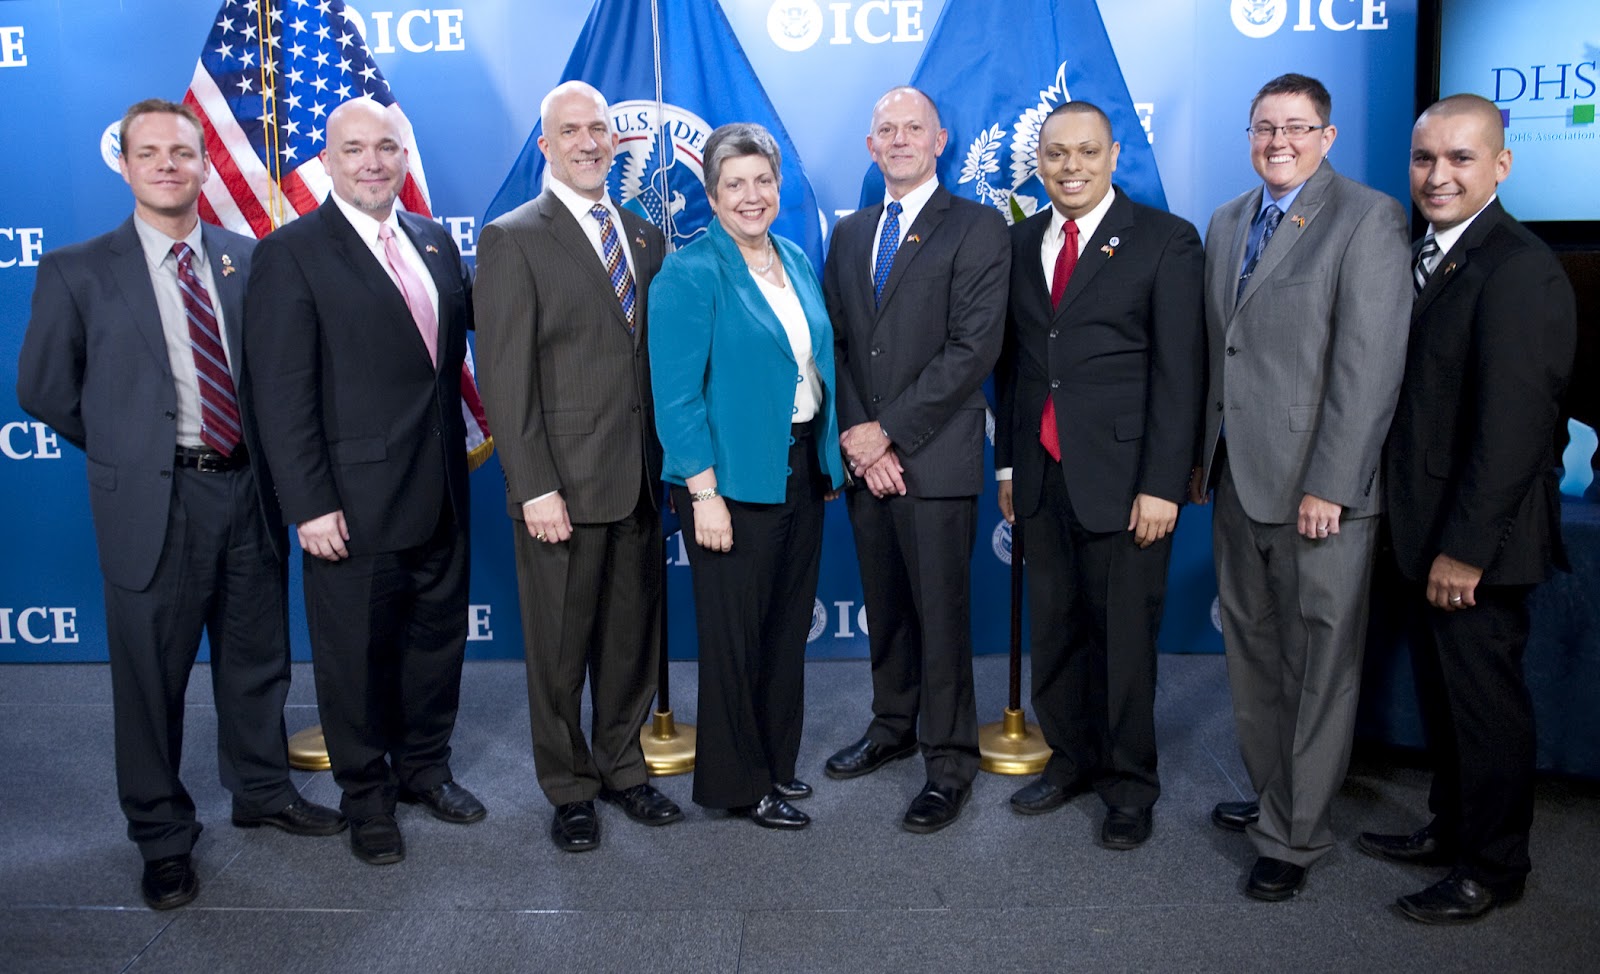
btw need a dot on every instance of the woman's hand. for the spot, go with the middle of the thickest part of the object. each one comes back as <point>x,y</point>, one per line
<point>713,526</point>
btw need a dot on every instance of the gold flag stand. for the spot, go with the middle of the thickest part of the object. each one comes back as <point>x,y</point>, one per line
<point>1010,746</point>
<point>668,745</point>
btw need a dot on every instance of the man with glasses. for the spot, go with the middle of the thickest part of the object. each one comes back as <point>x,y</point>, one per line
<point>1307,303</point>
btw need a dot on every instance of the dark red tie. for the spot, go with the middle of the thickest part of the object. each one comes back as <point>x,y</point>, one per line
<point>1066,261</point>
<point>219,406</point>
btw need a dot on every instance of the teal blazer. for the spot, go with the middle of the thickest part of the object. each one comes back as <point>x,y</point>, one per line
<point>724,374</point>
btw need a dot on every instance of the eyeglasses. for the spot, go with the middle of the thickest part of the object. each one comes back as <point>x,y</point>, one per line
<point>1262,132</point>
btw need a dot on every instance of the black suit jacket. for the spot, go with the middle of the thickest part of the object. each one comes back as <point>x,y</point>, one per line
<point>353,415</point>
<point>1124,355</point>
<point>94,366</point>
<point>567,388</point>
<point>1469,463</point>
<point>917,361</point>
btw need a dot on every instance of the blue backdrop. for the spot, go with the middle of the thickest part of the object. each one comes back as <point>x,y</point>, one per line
<point>470,78</point>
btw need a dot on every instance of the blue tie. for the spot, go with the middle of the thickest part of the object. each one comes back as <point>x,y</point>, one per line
<point>888,243</point>
<point>1260,232</point>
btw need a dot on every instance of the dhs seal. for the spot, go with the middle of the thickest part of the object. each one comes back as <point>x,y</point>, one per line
<point>1258,18</point>
<point>1021,174</point>
<point>661,175</point>
<point>111,146</point>
<point>819,621</point>
<point>794,25</point>
<point>1000,541</point>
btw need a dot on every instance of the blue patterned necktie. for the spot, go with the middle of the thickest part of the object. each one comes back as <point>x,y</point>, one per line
<point>888,243</point>
<point>1260,233</point>
<point>616,267</point>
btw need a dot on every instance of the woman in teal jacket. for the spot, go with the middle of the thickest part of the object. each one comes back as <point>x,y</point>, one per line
<point>741,361</point>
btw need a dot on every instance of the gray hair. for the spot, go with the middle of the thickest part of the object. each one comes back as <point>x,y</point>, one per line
<point>735,140</point>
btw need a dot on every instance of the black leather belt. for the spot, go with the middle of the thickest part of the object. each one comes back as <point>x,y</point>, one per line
<point>210,461</point>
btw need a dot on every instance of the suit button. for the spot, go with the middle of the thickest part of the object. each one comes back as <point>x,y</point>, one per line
<point>877,398</point>
<point>876,351</point>
<point>788,471</point>
<point>166,475</point>
<point>170,414</point>
<point>1232,350</point>
<point>1054,332</point>
<point>1219,407</point>
<point>791,441</point>
<point>1055,383</point>
<point>635,408</point>
<point>434,431</point>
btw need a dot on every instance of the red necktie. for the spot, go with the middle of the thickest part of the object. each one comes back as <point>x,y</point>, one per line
<point>219,407</point>
<point>1066,261</point>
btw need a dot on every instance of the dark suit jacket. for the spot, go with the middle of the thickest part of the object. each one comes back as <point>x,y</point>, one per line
<point>94,366</point>
<point>1124,354</point>
<point>567,389</point>
<point>353,416</point>
<point>917,362</point>
<point>1469,462</point>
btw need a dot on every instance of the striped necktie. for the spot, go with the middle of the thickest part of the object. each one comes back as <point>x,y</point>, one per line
<point>219,406</point>
<point>616,267</point>
<point>1423,268</point>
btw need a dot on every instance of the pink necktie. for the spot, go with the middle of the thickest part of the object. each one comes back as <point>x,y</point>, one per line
<point>415,294</point>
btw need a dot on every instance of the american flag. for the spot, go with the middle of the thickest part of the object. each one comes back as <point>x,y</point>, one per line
<point>269,74</point>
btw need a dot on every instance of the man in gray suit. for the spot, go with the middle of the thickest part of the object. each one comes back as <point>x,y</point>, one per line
<point>132,354</point>
<point>564,365</point>
<point>1307,307</point>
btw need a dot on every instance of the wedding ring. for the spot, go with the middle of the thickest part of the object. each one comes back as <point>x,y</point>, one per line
<point>1455,600</point>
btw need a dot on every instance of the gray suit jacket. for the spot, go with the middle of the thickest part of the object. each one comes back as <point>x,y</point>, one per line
<point>566,388</point>
<point>94,366</point>
<point>1306,364</point>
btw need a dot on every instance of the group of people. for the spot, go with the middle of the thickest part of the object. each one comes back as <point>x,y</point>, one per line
<point>1306,367</point>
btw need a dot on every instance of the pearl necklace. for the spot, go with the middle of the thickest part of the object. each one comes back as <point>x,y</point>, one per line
<point>772,257</point>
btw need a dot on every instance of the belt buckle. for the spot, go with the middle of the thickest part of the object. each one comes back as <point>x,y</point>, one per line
<point>211,463</point>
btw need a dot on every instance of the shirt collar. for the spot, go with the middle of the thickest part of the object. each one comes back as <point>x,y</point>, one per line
<point>365,225</point>
<point>157,246</point>
<point>912,203</point>
<point>1087,224</point>
<point>1282,204</point>
<point>1447,238</point>
<point>579,205</point>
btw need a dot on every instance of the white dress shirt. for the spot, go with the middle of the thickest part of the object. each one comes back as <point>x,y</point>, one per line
<point>367,229</point>
<point>1447,238</point>
<point>911,205</point>
<point>163,267</point>
<point>808,385</point>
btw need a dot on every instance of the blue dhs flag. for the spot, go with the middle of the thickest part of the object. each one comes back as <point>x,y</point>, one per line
<point>996,70</point>
<point>705,81</point>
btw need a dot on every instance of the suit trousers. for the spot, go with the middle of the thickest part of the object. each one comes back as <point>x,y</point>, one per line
<point>753,610</point>
<point>1479,722</point>
<point>916,564</point>
<point>388,634</point>
<point>591,606</point>
<point>1095,607</point>
<point>217,575</point>
<point>1294,623</point>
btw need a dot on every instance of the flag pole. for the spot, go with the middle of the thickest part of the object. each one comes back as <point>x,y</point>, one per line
<point>1010,746</point>
<point>668,745</point>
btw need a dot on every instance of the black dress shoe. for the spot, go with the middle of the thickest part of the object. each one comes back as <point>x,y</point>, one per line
<point>792,790</point>
<point>448,802</point>
<point>644,804</point>
<point>1042,796</point>
<point>575,828</point>
<point>169,882</point>
<point>934,807</point>
<point>377,840</point>
<point>299,817</point>
<point>773,811</point>
<point>1125,828</point>
<point>1420,848</point>
<point>866,756</point>
<point>1457,899</point>
<point>1274,880</point>
<point>1235,816</point>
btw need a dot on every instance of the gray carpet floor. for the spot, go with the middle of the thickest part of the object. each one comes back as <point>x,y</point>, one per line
<point>995,891</point>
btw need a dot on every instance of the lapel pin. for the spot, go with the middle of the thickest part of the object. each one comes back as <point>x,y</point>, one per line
<point>639,241</point>
<point>1109,250</point>
<point>914,238</point>
<point>430,248</point>
<point>1298,221</point>
<point>227,265</point>
<point>1450,267</point>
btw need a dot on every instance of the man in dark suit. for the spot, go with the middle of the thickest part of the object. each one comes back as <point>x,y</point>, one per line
<point>1305,314</point>
<point>356,321</point>
<point>566,382</point>
<point>1474,511</point>
<point>916,288</point>
<point>133,355</point>
<point>1099,409</point>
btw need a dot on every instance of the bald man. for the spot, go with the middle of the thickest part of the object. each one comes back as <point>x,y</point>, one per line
<point>1473,506</point>
<point>356,318</point>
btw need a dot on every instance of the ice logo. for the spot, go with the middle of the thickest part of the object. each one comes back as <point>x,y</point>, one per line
<point>794,25</point>
<point>1000,541</point>
<point>1258,18</point>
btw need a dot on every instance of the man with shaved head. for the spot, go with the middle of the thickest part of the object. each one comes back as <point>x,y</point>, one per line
<point>1473,506</point>
<point>565,367</point>
<point>356,318</point>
